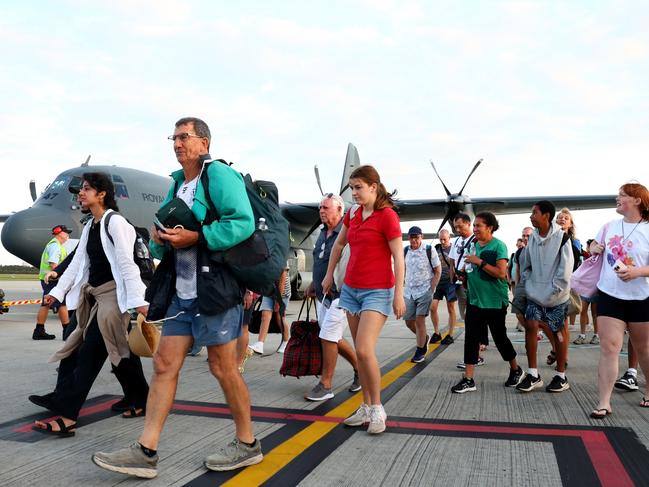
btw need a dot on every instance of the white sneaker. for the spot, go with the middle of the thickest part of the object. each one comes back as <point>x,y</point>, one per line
<point>257,347</point>
<point>360,417</point>
<point>282,347</point>
<point>377,420</point>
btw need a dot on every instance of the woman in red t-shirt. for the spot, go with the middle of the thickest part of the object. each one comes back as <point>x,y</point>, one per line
<point>370,290</point>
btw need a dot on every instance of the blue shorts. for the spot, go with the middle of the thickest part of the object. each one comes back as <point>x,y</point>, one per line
<point>46,290</point>
<point>418,306</point>
<point>555,316</point>
<point>267,303</point>
<point>445,290</point>
<point>206,330</point>
<point>355,300</point>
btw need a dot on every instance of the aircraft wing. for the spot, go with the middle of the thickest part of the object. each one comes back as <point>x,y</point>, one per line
<point>426,209</point>
<point>4,218</point>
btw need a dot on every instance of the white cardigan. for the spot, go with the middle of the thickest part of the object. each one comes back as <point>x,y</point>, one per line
<point>129,286</point>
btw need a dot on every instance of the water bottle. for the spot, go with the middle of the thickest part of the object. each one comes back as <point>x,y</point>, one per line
<point>470,251</point>
<point>261,225</point>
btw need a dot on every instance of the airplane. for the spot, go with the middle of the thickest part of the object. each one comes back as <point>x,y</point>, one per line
<point>139,195</point>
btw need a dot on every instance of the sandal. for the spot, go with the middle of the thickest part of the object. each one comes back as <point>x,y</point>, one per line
<point>644,403</point>
<point>552,358</point>
<point>124,404</point>
<point>134,413</point>
<point>600,413</point>
<point>63,431</point>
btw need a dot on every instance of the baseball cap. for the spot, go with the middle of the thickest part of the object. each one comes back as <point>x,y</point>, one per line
<point>60,228</point>
<point>414,231</point>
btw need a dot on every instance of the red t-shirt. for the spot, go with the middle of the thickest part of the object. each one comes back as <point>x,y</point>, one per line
<point>370,259</point>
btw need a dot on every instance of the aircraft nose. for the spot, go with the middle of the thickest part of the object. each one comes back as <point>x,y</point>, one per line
<point>25,233</point>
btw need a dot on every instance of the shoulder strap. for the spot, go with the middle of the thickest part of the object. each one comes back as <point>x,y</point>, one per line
<point>440,250</point>
<point>205,182</point>
<point>429,254</point>
<point>405,250</point>
<point>106,220</point>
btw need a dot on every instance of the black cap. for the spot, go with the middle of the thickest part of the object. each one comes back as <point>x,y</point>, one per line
<point>414,231</point>
<point>61,228</point>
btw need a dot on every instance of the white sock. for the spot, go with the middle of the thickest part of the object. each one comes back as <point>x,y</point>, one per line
<point>533,372</point>
<point>561,374</point>
<point>633,372</point>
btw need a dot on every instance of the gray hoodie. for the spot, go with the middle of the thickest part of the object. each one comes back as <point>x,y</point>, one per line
<point>546,267</point>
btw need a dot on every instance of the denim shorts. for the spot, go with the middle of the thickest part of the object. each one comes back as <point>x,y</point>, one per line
<point>267,303</point>
<point>446,290</point>
<point>554,316</point>
<point>355,300</point>
<point>206,330</point>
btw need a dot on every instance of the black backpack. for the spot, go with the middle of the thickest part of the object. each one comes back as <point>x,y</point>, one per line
<point>429,254</point>
<point>141,255</point>
<point>258,261</point>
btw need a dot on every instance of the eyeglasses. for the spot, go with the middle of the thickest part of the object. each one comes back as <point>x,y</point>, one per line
<point>184,136</point>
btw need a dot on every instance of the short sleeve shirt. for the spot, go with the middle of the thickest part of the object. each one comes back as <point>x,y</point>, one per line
<point>370,260</point>
<point>321,254</point>
<point>628,243</point>
<point>54,253</point>
<point>484,290</point>
<point>444,255</point>
<point>419,272</point>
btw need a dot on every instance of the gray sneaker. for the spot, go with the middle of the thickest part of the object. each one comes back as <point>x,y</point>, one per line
<point>235,455</point>
<point>360,417</point>
<point>319,393</point>
<point>131,461</point>
<point>356,383</point>
<point>377,420</point>
<point>594,340</point>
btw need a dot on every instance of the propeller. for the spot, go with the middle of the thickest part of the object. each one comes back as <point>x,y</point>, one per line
<point>32,189</point>
<point>454,202</point>
<point>317,178</point>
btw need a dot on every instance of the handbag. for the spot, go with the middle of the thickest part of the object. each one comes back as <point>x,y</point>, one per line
<point>144,338</point>
<point>176,214</point>
<point>574,303</point>
<point>584,279</point>
<point>276,323</point>
<point>303,353</point>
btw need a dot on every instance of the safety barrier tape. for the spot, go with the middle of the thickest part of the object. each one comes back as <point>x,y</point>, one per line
<point>21,301</point>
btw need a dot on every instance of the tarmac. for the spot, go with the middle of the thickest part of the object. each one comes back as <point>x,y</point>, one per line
<point>495,436</point>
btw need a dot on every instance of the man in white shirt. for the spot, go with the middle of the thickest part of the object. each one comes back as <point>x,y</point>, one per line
<point>423,270</point>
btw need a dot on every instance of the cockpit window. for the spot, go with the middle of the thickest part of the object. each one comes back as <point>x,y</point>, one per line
<point>121,193</point>
<point>60,185</point>
<point>117,179</point>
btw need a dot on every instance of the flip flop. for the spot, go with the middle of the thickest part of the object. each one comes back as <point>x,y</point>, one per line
<point>63,432</point>
<point>644,403</point>
<point>600,413</point>
<point>134,413</point>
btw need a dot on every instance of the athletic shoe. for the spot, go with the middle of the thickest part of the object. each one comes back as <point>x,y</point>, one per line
<point>465,385</point>
<point>580,340</point>
<point>594,340</point>
<point>529,383</point>
<point>282,347</point>
<point>448,339</point>
<point>246,356</point>
<point>628,382</point>
<point>131,461</point>
<point>420,355</point>
<point>257,347</point>
<point>377,420</point>
<point>435,338</point>
<point>558,384</point>
<point>235,455</point>
<point>360,417</point>
<point>356,383</point>
<point>41,334</point>
<point>515,377</point>
<point>319,393</point>
<point>462,365</point>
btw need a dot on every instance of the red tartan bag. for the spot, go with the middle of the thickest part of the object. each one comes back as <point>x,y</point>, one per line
<point>303,354</point>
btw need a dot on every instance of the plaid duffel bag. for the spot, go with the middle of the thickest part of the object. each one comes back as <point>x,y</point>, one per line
<point>303,354</point>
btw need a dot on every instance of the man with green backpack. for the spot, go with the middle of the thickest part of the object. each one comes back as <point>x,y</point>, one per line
<point>197,285</point>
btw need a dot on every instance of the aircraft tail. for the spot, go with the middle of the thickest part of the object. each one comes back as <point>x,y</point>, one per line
<point>352,161</point>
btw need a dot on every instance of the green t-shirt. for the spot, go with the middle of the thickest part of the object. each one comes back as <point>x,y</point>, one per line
<point>484,290</point>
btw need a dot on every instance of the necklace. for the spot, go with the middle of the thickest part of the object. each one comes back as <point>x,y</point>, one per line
<point>624,239</point>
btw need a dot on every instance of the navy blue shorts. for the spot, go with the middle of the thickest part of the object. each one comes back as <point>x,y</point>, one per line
<point>446,290</point>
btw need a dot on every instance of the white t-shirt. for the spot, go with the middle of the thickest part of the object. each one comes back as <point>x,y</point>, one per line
<point>456,250</point>
<point>186,259</point>
<point>628,242</point>
<point>54,253</point>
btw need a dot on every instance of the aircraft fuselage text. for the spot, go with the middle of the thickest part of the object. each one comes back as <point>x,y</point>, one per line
<point>153,198</point>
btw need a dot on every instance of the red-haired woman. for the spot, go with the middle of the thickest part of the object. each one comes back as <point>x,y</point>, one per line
<point>370,291</point>
<point>623,289</point>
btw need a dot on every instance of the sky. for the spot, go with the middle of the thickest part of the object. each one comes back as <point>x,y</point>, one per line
<point>552,95</point>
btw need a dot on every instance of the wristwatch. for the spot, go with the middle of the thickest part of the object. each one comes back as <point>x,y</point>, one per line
<point>482,264</point>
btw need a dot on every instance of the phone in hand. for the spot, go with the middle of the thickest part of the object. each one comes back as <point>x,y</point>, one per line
<point>159,226</point>
<point>619,266</point>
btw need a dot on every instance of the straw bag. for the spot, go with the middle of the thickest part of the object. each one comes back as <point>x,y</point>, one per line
<point>144,338</point>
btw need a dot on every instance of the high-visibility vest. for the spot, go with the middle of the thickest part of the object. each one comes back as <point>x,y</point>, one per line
<point>45,258</point>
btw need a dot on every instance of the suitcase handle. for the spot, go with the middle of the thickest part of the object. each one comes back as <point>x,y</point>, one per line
<point>310,302</point>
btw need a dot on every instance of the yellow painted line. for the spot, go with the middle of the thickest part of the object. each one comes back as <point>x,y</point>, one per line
<point>286,452</point>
